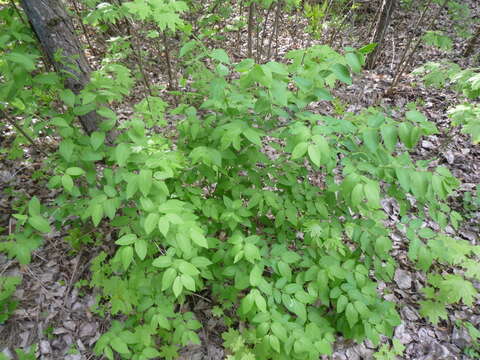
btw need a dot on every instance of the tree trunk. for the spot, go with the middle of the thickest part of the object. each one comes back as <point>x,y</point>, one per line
<point>55,31</point>
<point>471,43</point>
<point>382,23</point>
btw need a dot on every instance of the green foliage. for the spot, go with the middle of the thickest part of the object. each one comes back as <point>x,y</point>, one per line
<point>471,200</point>
<point>438,39</point>
<point>24,90</point>
<point>273,209</point>
<point>466,82</point>
<point>8,285</point>
<point>22,355</point>
<point>387,353</point>
<point>315,14</point>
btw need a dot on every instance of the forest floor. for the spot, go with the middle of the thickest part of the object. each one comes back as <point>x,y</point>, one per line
<point>55,310</point>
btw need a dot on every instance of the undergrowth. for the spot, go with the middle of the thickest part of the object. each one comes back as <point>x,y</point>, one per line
<point>257,202</point>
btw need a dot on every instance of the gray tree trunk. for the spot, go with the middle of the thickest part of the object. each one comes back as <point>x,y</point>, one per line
<point>471,43</point>
<point>382,23</point>
<point>55,31</point>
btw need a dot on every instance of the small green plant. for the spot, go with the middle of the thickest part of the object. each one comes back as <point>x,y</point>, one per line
<point>316,14</point>
<point>466,82</point>
<point>8,285</point>
<point>390,353</point>
<point>473,350</point>
<point>23,355</point>
<point>438,39</point>
<point>471,200</point>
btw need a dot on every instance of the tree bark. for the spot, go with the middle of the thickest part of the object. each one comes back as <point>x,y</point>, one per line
<point>54,30</point>
<point>382,23</point>
<point>471,43</point>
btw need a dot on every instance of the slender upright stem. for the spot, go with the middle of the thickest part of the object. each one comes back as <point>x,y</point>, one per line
<point>84,29</point>
<point>274,30</point>
<point>251,17</point>
<point>403,65</point>
<point>171,80</point>
<point>21,131</point>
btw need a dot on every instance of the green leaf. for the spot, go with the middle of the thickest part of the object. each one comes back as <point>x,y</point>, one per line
<point>97,139</point>
<point>323,94</point>
<point>370,138</point>
<point>256,275</point>
<point>34,206</point>
<point>97,214</point>
<point>68,97</point>
<point>362,309</point>
<point>197,237</point>
<point>252,136</point>
<point>151,222</point>
<point>126,254</point>
<point>342,73</point>
<point>145,181</point>
<point>74,171</point>
<point>433,310</point>
<point>122,153</point>
<point>403,176</point>
<point>389,136</point>
<point>357,194</point>
<point>27,61</point>
<point>341,303</point>
<point>251,253</point>
<point>354,62</point>
<point>372,193</point>
<point>415,116</point>
<point>119,346</point>
<point>279,331</point>
<point>284,270</point>
<point>188,269</point>
<point>188,282</point>
<point>382,246</point>
<point>177,286</point>
<point>247,303</point>
<point>126,239</point>
<point>367,48</point>
<point>141,248</point>
<point>299,150</point>
<point>220,55</point>
<point>351,315</point>
<point>404,132</point>
<point>274,343</point>
<point>163,225</point>
<point>39,223</point>
<point>324,347</point>
<point>315,154</point>
<point>279,93</point>
<point>67,182</point>
<point>110,208</point>
<point>167,279</point>
<point>260,301</point>
<point>162,262</point>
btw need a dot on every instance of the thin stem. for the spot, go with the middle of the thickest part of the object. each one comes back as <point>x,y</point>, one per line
<point>21,131</point>
<point>274,30</point>
<point>260,51</point>
<point>251,11</point>
<point>171,85</point>
<point>401,68</point>
<point>84,29</point>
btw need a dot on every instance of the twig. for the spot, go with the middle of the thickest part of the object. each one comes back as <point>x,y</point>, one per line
<point>274,30</point>
<point>251,11</point>
<point>21,131</point>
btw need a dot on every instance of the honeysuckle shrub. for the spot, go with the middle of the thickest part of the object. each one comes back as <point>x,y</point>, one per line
<point>257,202</point>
